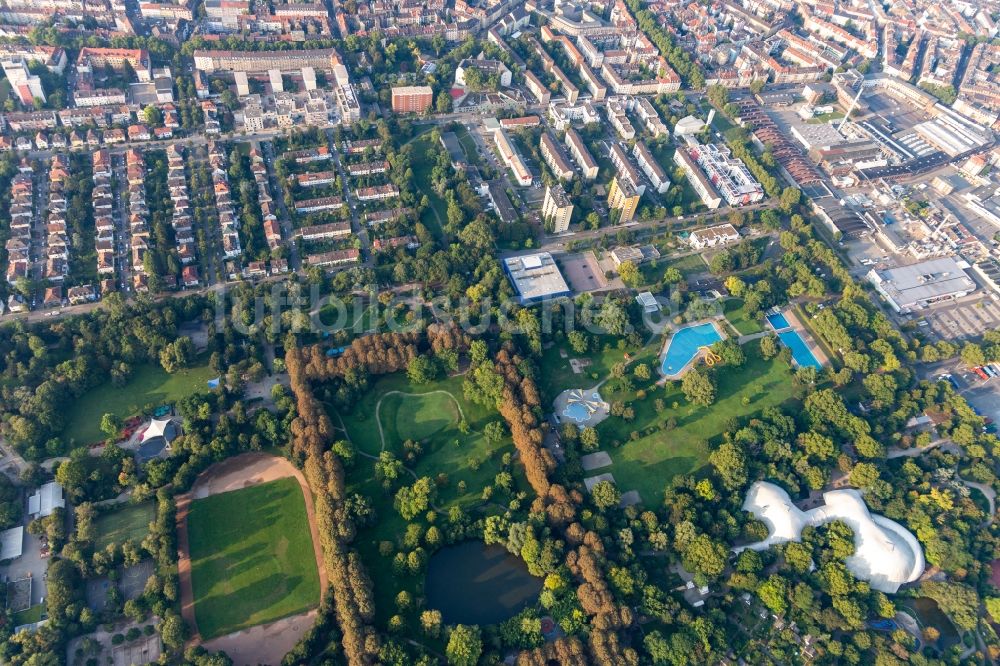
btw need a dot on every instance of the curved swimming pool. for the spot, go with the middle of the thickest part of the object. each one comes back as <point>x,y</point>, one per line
<point>684,346</point>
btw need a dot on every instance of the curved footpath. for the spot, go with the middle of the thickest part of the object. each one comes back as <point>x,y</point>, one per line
<point>266,643</point>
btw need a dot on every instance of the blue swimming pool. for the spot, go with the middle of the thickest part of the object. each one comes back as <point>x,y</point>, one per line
<point>801,353</point>
<point>577,411</point>
<point>778,321</point>
<point>684,346</point>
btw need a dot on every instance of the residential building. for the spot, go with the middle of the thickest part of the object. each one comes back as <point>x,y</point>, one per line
<point>623,197</point>
<point>720,234</point>
<point>555,157</point>
<point>586,162</point>
<point>412,99</point>
<point>557,209</point>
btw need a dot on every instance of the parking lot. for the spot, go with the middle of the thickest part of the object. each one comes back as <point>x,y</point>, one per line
<point>962,321</point>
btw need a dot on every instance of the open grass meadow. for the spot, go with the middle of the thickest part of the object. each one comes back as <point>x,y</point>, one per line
<point>660,453</point>
<point>431,417</point>
<point>150,385</point>
<point>129,521</point>
<point>252,557</point>
<point>737,316</point>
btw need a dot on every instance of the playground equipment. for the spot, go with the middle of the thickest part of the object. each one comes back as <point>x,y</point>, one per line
<point>711,358</point>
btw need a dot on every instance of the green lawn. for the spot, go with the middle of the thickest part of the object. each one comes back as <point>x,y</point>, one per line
<point>150,385</point>
<point>422,162</point>
<point>649,463</point>
<point>29,615</point>
<point>419,417</point>
<point>252,557</point>
<point>556,374</point>
<point>468,145</point>
<point>738,317</point>
<point>431,418</point>
<point>130,521</point>
<point>689,264</point>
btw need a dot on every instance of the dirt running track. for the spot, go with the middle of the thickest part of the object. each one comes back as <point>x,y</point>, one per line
<point>268,643</point>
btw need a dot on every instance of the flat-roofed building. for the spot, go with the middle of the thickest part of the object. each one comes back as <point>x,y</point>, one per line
<point>580,153</point>
<point>535,277</point>
<point>720,234</point>
<point>555,157</point>
<point>623,197</point>
<point>921,285</point>
<point>657,176</point>
<point>511,158</point>
<point>412,99</point>
<point>557,209</point>
<point>537,88</point>
<point>697,179</point>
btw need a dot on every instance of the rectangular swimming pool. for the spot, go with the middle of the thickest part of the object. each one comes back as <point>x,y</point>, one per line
<point>778,321</point>
<point>801,353</point>
<point>685,345</point>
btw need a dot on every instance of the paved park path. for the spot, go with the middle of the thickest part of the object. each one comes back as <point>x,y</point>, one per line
<point>265,643</point>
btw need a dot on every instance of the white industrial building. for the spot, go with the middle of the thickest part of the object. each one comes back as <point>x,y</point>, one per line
<point>921,285</point>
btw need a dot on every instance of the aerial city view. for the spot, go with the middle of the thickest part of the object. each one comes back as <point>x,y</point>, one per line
<point>481,332</point>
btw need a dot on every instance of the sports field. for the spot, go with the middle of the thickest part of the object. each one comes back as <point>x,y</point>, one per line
<point>149,385</point>
<point>252,557</point>
<point>131,521</point>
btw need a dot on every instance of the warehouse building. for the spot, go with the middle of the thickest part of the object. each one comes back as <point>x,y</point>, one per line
<point>535,278</point>
<point>921,285</point>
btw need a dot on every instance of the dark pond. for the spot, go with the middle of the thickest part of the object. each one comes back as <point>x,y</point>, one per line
<point>472,583</point>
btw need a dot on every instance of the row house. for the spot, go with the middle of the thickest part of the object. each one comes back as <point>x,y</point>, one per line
<point>182,220</point>
<point>104,220</point>
<point>316,179</point>
<point>309,155</point>
<point>318,205</point>
<point>377,192</point>
<point>56,248</point>
<point>228,222</point>
<point>18,245</point>
<point>368,168</point>
<point>325,231</point>
<point>272,228</point>
<point>138,218</point>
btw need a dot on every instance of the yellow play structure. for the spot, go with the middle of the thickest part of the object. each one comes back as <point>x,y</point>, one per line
<point>711,358</point>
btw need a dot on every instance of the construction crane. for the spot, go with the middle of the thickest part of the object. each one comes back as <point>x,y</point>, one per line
<point>854,103</point>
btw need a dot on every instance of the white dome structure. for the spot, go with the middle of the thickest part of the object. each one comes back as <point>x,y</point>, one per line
<point>886,554</point>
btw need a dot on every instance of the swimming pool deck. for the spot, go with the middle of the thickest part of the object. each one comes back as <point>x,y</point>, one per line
<point>795,324</point>
<point>717,322</point>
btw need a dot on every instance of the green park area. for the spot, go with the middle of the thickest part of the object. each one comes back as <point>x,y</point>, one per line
<point>557,369</point>
<point>422,161</point>
<point>130,521</point>
<point>252,558</point>
<point>452,449</point>
<point>149,385</point>
<point>676,439</point>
